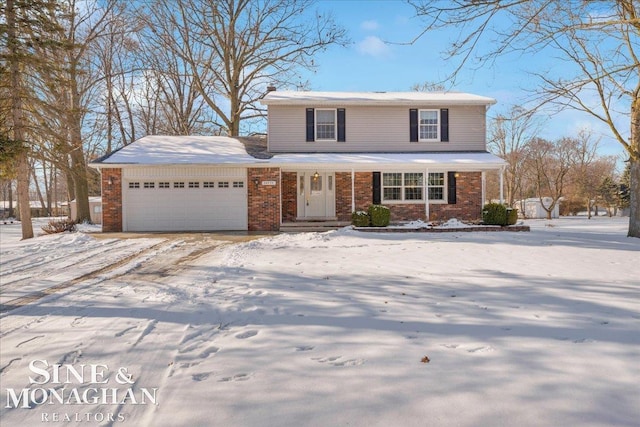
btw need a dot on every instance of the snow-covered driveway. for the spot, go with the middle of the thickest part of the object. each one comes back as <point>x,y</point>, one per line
<point>527,329</point>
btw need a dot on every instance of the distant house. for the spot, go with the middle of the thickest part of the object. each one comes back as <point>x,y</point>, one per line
<point>533,208</point>
<point>95,207</point>
<point>327,154</point>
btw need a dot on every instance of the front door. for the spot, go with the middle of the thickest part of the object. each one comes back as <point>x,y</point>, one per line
<point>316,195</point>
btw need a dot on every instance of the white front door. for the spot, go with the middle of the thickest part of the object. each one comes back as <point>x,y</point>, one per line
<point>316,195</point>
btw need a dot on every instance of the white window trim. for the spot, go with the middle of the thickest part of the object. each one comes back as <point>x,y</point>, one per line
<point>335,124</point>
<point>425,190</point>
<point>444,188</point>
<point>438,125</point>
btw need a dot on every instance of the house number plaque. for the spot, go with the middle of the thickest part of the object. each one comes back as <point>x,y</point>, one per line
<point>268,183</point>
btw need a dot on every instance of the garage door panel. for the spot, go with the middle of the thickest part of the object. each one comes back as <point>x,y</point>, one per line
<point>185,209</point>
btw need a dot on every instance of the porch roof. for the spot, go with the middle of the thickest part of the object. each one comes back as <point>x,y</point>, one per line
<point>455,160</point>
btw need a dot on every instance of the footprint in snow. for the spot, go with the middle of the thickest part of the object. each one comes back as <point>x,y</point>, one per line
<point>305,348</point>
<point>201,376</point>
<point>237,377</point>
<point>247,334</point>
<point>335,361</point>
<point>209,351</point>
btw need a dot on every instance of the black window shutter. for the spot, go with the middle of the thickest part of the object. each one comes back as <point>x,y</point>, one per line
<point>444,125</point>
<point>451,188</point>
<point>310,125</point>
<point>413,125</point>
<point>342,136</point>
<point>376,188</point>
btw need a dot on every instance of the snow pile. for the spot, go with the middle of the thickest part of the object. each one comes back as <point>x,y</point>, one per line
<point>336,328</point>
<point>453,223</point>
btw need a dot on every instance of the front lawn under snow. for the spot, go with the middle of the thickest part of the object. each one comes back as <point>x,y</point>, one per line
<point>328,329</point>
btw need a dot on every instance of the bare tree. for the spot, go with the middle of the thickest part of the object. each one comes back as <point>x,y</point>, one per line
<point>549,164</point>
<point>66,90</point>
<point>428,87</point>
<point>508,138</point>
<point>26,26</point>
<point>599,39</point>
<point>234,48</point>
<point>588,169</point>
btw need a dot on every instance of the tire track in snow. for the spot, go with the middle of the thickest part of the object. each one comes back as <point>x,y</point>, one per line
<point>22,301</point>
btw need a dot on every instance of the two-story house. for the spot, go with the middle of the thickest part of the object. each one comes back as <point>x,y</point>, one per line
<point>327,154</point>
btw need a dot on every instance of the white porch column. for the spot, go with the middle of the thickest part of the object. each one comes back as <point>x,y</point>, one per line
<point>484,188</point>
<point>353,190</point>
<point>426,194</point>
<point>502,185</point>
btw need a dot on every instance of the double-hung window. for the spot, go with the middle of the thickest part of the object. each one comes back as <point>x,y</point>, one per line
<point>397,186</point>
<point>436,186</point>
<point>410,186</point>
<point>429,125</point>
<point>325,124</point>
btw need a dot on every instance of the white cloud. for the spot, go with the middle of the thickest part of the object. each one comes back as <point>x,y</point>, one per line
<point>370,25</point>
<point>373,46</point>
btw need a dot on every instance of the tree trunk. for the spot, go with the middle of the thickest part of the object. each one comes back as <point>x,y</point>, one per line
<point>11,214</point>
<point>17,115</point>
<point>634,202</point>
<point>81,186</point>
<point>588,208</point>
<point>24,204</point>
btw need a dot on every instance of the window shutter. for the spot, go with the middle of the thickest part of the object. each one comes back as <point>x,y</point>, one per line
<point>342,136</point>
<point>376,188</point>
<point>444,125</point>
<point>413,125</point>
<point>310,125</point>
<point>451,188</point>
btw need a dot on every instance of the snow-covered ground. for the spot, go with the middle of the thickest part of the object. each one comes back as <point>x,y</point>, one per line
<point>325,329</point>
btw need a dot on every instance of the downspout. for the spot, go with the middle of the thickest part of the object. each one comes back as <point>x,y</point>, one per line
<point>280,182</point>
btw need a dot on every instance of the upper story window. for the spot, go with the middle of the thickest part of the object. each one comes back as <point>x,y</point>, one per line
<point>326,124</point>
<point>429,125</point>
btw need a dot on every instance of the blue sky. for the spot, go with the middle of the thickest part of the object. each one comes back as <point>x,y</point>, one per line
<point>371,63</point>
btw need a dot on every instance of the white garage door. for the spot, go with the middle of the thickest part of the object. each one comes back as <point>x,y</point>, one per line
<point>184,199</point>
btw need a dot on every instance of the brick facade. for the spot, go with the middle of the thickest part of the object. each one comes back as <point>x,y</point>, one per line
<point>468,197</point>
<point>111,199</point>
<point>289,196</point>
<point>468,204</point>
<point>263,200</point>
<point>343,196</point>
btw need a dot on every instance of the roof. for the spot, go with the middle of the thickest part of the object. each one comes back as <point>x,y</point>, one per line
<point>458,160</point>
<point>159,150</point>
<point>224,151</point>
<point>374,98</point>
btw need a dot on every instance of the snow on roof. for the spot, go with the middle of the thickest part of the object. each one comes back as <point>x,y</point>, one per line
<point>460,160</point>
<point>220,150</point>
<point>158,150</point>
<point>374,98</point>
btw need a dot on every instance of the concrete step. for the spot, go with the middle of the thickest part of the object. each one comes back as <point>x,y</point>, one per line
<point>304,226</point>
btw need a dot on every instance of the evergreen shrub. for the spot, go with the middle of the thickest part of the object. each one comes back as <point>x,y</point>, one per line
<point>494,214</point>
<point>380,215</point>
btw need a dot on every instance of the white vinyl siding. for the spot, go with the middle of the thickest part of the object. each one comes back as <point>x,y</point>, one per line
<point>376,129</point>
